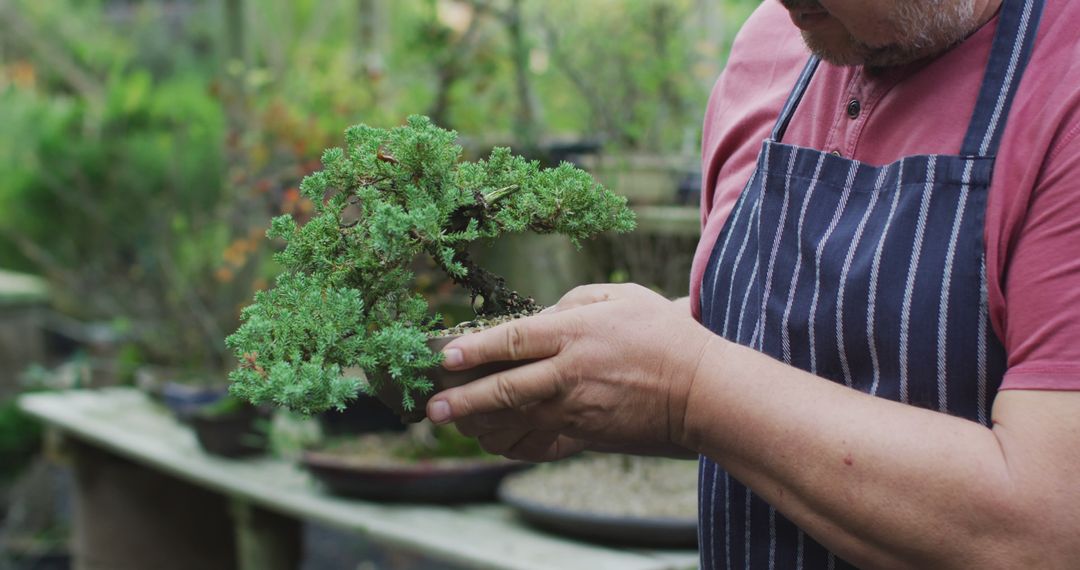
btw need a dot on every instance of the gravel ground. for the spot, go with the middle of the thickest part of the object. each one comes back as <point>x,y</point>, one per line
<point>617,485</point>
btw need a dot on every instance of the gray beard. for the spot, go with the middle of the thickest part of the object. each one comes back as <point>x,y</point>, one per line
<point>927,28</point>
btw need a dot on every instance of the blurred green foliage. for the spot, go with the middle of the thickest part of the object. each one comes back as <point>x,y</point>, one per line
<point>20,439</point>
<point>145,143</point>
<point>115,184</point>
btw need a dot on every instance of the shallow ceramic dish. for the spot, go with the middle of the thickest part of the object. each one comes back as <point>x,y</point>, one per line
<point>432,481</point>
<point>610,529</point>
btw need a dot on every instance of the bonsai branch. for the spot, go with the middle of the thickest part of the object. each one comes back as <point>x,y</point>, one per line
<point>387,158</point>
<point>498,299</point>
<point>481,209</point>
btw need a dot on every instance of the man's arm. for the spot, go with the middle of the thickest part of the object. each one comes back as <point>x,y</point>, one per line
<point>889,485</point>
<point>883,484</point>
<point>682,304</point>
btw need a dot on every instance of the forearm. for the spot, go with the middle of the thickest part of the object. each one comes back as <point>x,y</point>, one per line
<point>682,304</point>
<point>669,451</point>
<point>880,483</point>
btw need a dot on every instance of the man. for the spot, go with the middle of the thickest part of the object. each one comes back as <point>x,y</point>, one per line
<point>883,364</point>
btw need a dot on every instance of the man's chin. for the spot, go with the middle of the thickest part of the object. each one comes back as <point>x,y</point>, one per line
<point>837,51</point>
<point>850,52</point>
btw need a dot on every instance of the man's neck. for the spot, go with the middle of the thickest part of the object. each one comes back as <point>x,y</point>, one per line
<point>986,10</point>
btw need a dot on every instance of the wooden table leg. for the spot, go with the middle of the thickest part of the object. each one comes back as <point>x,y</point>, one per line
<point>265,540</point>
<point>128,516</point>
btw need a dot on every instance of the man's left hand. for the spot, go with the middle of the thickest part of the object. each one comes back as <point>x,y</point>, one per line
<point>608,366</point>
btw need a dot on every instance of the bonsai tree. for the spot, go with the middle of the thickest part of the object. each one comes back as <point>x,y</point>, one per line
<point>345,297</point>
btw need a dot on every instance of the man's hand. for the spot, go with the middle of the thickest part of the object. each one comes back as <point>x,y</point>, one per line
<point>611,366</point>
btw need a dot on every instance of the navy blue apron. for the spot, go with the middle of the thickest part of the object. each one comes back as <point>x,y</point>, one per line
<point>870,276</point>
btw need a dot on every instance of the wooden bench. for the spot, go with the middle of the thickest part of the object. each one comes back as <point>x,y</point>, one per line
<point>118,437</point>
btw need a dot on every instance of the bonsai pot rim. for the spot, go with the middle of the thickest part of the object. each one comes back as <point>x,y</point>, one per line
<point>389,392</point>
<point>462,480</point>
<point>659,532</point>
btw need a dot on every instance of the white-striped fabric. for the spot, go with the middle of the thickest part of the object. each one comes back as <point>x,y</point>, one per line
<point>888,259</point>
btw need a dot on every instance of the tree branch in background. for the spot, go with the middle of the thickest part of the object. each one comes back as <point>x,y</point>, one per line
<point>81,81</point>
<point>234,29</point>
<point>526,124</point>
<point>451,68</point>
<point>661,24</point>
<point>316,28</point>
<point>197,310</point>
<point>527,118</point>
<point>599,111</point>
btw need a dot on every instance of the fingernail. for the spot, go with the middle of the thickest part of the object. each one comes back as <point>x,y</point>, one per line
<point>439,412</point>
<point>452,357</point>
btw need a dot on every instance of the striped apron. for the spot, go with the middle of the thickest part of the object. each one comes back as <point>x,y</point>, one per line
<point>870,276</point>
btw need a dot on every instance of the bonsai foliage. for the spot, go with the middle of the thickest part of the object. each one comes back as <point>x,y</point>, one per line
<point>345,297</point>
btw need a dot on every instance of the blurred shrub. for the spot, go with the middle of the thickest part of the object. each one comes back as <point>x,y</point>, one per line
<point>91,187</point>
<point>119,203</point>
<point>139,174</point>
<point>143,144</point>
<point>20,440</point>
<point>635,72</point>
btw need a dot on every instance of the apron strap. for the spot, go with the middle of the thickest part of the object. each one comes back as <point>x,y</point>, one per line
<point>1013,43</point>
<point>794,98</point>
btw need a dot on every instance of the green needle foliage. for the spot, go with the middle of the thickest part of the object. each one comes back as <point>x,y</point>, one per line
<point>345,297</point>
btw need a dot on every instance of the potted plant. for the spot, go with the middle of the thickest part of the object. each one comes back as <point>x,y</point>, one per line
<point>425,464</point>
<point>231,427</point>
<point>345,298</point>
<point>610,498</point>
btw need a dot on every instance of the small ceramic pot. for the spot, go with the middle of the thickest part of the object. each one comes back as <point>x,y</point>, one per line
<point>236,434</point>
<point>389,393</point>
<point>365,414</point>
<point>186,400</point>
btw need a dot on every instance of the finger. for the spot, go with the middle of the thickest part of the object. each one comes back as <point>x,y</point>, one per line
<point>538,415</point>
<point>587,295</point>
<point>534,446</point>
<point>545,446</point>
<point>501,442</point>
<point>564,447</point>
<point>480,424</point>
<point>512,389</point>
<point>529,338</point>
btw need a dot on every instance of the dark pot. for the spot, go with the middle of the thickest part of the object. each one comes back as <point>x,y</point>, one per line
<point>420,482</point>
<point>365,414</point>
<point>235,434</point>
<point>185,400</point>
<point>389,393</point>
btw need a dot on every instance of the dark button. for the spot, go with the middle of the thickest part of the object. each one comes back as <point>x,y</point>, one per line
<point>835,153</point>
<point>854,108</point>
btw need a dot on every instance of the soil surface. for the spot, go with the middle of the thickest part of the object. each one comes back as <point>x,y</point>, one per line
<point>615,485</point>
<point>481,323</point>
<point>422,443</point>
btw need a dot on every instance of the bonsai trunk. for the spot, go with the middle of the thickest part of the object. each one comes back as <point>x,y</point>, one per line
<point>498,298</point>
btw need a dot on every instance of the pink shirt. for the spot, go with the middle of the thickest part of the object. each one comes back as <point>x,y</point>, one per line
<point>1033,212</point>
